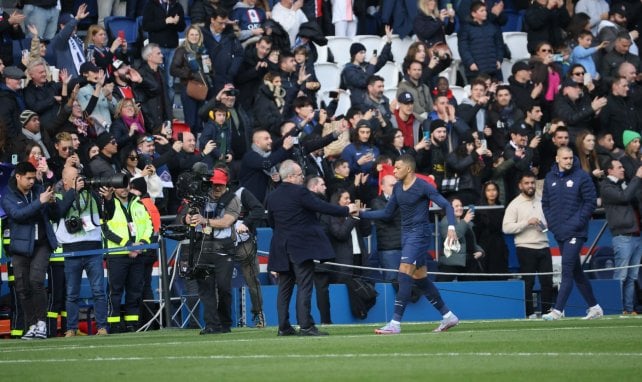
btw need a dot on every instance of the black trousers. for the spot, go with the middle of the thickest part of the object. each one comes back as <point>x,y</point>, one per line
<point>30,273</point>
<point>215,291</point>
<point>57,298</point>
<point>536,260</point>
<point>125,275</point>
<point>321,286</point>
<point>302,276</point>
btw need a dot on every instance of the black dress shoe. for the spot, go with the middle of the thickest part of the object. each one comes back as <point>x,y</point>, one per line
<point>210,330</point>
<point>287,332</point>
<point>312,331</point>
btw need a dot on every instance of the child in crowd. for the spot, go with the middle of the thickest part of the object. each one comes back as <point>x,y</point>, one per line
<point>583,52</point>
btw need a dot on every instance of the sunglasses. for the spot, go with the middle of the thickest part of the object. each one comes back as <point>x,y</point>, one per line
<point>133,157</point>
<point>546,50</point>
<point>66,148</point>
<point>578,74</point>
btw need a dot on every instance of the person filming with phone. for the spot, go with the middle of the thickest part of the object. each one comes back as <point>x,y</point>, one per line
<point>30,209</point>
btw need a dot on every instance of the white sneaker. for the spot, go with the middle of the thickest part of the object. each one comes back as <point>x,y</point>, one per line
<point>31,333</point>
<point>447,323</point>
<point>594,312</point>
<point>389,328</point>
<point>41,330</point>
<point>553,315</point>
<point>533,316</point>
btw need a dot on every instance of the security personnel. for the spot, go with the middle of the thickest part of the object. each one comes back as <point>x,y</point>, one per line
<point>128,224</point>
<point>57,295</point>
<point>17,315</point>
<point>216,223</point>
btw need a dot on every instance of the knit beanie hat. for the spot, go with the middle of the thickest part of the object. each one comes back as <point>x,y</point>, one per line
<point>25,116</point>
<point>628,136</point>
<point>356,48</point>
<point>139,184</point>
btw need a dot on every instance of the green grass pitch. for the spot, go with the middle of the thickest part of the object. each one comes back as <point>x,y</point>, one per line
<point>609,349</point>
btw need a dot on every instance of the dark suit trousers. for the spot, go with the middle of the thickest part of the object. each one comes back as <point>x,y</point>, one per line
<point>301,274</point>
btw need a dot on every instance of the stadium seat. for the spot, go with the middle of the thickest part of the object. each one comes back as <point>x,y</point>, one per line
<point>400,47</point>
<point>602,258</point>
<point>371,42</point>
<point>343,104</point>
<point>340,48</point>
<point>516,42</point>
<point>391,93</point>
<point>328,74</point>
<point>450,73</point>
<point>456,66</point>
<point>515,20</point>
<point>390,73</point>
<point>322,53</point>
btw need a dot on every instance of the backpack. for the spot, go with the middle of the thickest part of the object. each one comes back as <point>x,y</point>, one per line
<point>363,297</point>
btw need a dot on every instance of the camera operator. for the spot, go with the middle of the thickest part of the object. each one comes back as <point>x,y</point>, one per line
<point>79,230</point>
<point>128,224</point>
<point>216,224</point>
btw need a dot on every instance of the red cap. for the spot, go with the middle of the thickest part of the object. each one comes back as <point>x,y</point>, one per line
<point>219,177</point>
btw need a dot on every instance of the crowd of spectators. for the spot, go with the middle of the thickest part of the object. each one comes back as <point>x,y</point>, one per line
<point>105,107</point>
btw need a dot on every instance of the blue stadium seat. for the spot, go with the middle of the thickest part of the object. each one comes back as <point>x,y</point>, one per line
<point>602,258</point>
<point>515,21</point>
<point>114,24</point>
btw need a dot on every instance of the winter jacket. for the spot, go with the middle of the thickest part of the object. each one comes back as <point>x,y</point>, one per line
<point>266,114</point>
<point>226,56</point>
<point>252,175</point>
<point>59,47</point>
<point>161,33</point>
<point>521,94</point>
<point>388,230</point>
<point>7,34</point>
<point>619,205</point>
<point>23,214</point>
<point>154,99</point>
<point>577,115</point>
<point>543,24</point>
<point>249,78</point>
<point>431,30</point>
<point>481,44</point>
<point>400,14</point>
<point>568,200</point>
<point>618,115</point>
<point>355,77</point>
<point>11,105</point>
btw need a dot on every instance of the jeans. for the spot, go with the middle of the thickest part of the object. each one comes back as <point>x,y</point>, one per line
<point>572,272</point>
<point>45,19</point>
<point>389,259</point>
<point>628,251</point>
<point>93,266</point>
<point>190,112</point>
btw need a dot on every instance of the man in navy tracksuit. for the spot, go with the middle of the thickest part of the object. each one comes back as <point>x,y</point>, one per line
<point>568,201</point>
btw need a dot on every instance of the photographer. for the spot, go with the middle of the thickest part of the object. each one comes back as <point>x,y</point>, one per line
<point>128,224</point>
<point>79,229</point>
<point>213,265</point>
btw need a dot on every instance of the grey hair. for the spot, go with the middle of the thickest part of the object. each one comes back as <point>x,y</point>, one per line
<point>287,168</point>
<point>147,50</point>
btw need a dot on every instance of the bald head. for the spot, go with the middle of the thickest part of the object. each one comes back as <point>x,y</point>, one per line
<point>387,183</point>
<point>69,175</point>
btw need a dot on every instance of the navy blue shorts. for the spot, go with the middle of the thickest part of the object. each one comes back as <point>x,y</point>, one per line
<point>414,249</point>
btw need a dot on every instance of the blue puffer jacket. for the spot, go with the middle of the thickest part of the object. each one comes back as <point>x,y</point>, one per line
<point>568,201</point>
<point>22,217</point>
<point>480,44</point>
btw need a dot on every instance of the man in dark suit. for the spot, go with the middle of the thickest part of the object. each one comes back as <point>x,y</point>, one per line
<point>298,240</point>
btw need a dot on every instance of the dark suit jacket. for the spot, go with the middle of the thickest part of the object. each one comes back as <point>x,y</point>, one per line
<point>292,213</point>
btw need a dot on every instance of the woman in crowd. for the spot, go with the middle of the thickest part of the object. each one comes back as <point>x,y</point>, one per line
<point>488,231</point>
<point>188,64</point>
<point>471,165</point>
<point>547,72</point>
<point>101,54</point>
<point>130,160</point>
<point>393,146</point>
<point>343,231</point>
<point>585,147</point>
<point>434,59</point>
<point>362,152</point>
<point>128,123</point>
<point>269,103</point>
<point>469,255</point>
<point>34,155</point>
<point>431,24</point>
